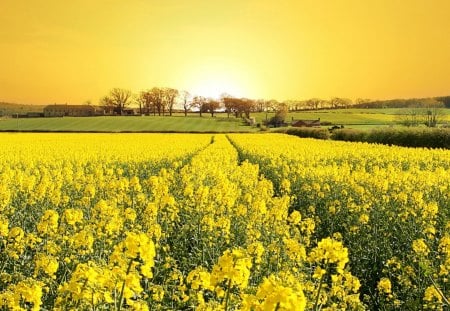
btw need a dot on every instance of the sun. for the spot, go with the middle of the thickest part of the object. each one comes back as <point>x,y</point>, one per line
<point>212,78</point>
<point>215,87</point>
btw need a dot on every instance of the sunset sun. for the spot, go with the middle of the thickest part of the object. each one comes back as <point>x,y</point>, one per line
<point>215,87</point>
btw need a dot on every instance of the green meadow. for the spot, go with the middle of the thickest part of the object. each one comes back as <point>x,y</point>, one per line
<point>125,124</point>
<point>350,118</point>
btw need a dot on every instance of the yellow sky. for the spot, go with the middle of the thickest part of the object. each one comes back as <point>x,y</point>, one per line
<point>73,51</point>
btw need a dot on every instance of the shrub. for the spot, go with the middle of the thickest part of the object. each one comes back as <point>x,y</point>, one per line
<point>349,135</point>
<point>417,137</point>
<point>319,133</point>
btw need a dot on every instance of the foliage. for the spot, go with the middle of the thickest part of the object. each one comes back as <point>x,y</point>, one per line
<point>116,101</point>
<point>279,118</point>
<point>418,137</point>
<point>319,133</point>
<point>238,106</point>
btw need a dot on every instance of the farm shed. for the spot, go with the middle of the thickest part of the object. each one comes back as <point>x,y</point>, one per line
<point>306,123</point>
<point>71,110</point>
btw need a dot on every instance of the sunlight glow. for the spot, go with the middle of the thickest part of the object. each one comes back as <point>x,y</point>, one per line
<point>215,87</point>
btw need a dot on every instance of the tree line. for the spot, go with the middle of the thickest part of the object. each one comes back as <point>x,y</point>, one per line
<point>163,101</point>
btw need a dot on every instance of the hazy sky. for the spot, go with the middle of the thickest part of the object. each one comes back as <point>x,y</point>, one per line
<point>73,51</point>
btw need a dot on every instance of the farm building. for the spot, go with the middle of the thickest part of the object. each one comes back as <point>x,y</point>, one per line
<point>305,123</point>
<point>71,110</point>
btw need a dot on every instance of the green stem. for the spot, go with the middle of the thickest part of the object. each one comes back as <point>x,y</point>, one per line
<point>82,288</point>
<point>320,288</point>
<point>123,286</point>
<point>439,291</point>
<point>227,297</point>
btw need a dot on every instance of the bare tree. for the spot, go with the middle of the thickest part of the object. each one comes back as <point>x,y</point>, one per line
<point>157,100</point>
<point>428,111</point>
<point>170,96</point>
<point>314,103</point>
<point>238,106</point>
<point>119,98</point>
<point>212,105</point>
<point>228,102</point>
<point>140,102</point>
<point>260,105</point>
<point>200,103</point>
<point>432,112</point>
<point>246,106</point>
<point>187,104</point>
<point>145,102</point>
<point>360,102</point>
<point>107,104</point>
<point>337,102</point>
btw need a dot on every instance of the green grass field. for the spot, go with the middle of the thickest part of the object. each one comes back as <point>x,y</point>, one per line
<point>133,124</point>
<point>354,117</point>
<point>350,118</point>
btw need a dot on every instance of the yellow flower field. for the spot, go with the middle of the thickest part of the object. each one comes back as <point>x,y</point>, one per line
<point>237,222</point>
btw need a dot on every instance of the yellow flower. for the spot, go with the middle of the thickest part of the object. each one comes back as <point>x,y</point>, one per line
<point>233,266</point>
<point>420,247</point>
<point>364,219</point>
<point>46,263</point>
<point>130,214</point>
<point>73,216</point>
<point>384,285</point>
<point>272,294</point>
<point>295,217</point>
<point>48,223</point>
<point>27,292</point>
<point>4,223</point>
<point>330,251</point>
<point>431,294</point>
<point>199,278</point>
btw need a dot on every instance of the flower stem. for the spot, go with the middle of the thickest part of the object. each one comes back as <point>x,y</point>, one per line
<point>227,297</point>
<point>320,288</point>
<point>123,286</point>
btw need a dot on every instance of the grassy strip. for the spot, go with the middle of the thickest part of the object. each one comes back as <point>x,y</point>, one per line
<point>127,124</point>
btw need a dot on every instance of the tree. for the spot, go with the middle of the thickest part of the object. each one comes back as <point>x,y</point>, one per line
<point>314,103</point>
<point>117,99</point>
<point>156,98</point>
<point>212,105</point>
<point>229,103</point>
<point>170,96</point>
<point>260,104</point>
<point>432,112</point>
<point>199,102</point>
<point>294,105</point>
<point>280,116</point>
<point>141,103</point>
<point>362,102</point>
<point>145,102</point>
<point>337,102</point>
<point>238,106</point>
<point>107,104</point>
<point>187,104</point>
<point>427,111</point>
<point>246,106</point>
<point>411,118</point>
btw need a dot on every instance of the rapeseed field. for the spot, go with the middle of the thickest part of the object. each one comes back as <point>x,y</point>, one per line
<point>221,222</point>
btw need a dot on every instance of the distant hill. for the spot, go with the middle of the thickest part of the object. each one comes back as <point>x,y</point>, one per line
<point>8,109</point>
<point>404,103</point>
